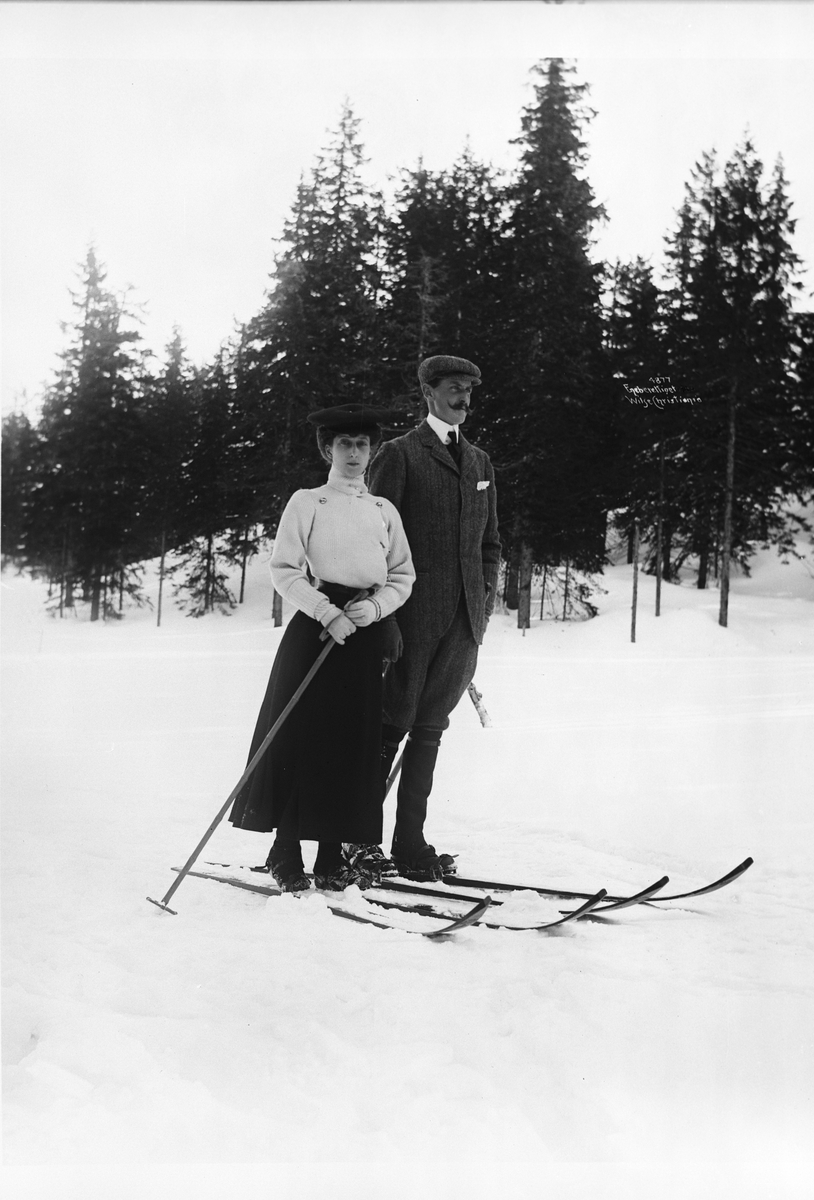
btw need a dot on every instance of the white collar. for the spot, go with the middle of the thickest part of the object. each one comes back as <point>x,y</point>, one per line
<point>351,487</point>
<point>447,433</point>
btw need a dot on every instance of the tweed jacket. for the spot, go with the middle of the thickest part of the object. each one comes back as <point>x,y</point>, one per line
<point>450,518</point>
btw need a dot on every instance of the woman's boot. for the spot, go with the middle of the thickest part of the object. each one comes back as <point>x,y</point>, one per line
<point>285,864</point>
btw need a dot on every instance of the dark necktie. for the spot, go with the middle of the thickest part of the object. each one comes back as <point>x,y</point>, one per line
<point>454,447</point>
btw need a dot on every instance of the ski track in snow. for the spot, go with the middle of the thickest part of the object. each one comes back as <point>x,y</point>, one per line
<point>250,1031</point>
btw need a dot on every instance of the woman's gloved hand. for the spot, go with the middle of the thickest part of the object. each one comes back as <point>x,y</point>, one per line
<point>340,628</point>
<point>362,612</point>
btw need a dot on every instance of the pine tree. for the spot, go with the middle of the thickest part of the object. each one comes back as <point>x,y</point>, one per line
<point>547,438</point>
<point>317,340</point>
<point>446,267</point>
<point>416,240</point>
<point>169,417</point>
<point>730,330</point>
<point>642,434</point>
<point>801,463</point>
<point>90,430</point>
<point>201,567</point>
<point>20,449</point>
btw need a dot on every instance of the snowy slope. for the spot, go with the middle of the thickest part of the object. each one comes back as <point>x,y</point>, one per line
<point>666,1048</point>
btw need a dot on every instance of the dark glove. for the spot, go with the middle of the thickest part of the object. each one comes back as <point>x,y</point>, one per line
<point>392,641</point>
<point>489,600</point>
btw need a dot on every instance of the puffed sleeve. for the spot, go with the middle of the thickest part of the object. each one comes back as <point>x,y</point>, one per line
<point>400,570</point>
<point>289,571</point>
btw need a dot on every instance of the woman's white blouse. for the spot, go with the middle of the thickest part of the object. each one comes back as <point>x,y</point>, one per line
<point>342,534</point>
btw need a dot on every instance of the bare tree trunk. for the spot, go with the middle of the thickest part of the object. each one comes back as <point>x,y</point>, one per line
<point>277,608</point>
<point>243,564</point>
<point>565,593</point>
<point>659,528</point>
<point>524,588</point>
<point>703,550</point>
<point>425,300</point>
<point>630,541</point>
<point>726,549</point>
<point>635,581</point>
<point>542,597</point>
<point>62,579</point>
<point>161,574</point>
<point>666,550</point>
<point>95,596</point>
<point>209,588</point>
<point>512,578</point>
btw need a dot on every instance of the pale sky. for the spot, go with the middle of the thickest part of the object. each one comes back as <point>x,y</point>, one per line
<point>173,135</point>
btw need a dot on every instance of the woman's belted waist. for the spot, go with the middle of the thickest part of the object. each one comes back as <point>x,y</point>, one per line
<point>337,593</point>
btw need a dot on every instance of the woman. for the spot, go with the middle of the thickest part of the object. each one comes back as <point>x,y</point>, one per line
<point>320,779</point>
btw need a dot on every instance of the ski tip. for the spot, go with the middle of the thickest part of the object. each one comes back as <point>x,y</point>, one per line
<point>585,909</point>
<point>737,871</point>
<point>650,892</point>
<point>164,907</point>
<point>463,922</point>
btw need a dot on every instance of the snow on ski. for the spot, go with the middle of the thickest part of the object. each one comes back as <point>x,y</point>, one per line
<point>495,885</point>
<point>444,890</point>
<point>468,918</point>
<point>415,888</point>
<point>615,902</point>
<point>584,910</point>
<point>591,905</point>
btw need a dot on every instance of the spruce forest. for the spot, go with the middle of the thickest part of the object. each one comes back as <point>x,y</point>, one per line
<point>672,408</point>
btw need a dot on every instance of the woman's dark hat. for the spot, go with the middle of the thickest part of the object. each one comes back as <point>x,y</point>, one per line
<point>341,417</point>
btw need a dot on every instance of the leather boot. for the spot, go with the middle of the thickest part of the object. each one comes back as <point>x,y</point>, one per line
<point>411,854</point>
<point>284,863</point>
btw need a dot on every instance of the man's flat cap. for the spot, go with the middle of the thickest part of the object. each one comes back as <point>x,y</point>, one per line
<point>447,364</point>
<point>358,417</point>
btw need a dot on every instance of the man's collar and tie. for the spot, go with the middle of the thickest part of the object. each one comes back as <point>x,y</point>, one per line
<point>448,434</point>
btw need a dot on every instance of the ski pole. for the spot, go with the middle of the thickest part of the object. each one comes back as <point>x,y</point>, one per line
<point>477,699</point>
<point>261,750</point>
<point>391,778</point>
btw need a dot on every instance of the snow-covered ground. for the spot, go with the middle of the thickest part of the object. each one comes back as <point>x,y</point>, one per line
<point>296,1054</point>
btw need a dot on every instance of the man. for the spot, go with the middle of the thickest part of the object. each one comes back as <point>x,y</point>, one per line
<point>444,489</point>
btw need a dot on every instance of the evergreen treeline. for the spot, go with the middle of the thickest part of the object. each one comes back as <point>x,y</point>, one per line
<point>679,406</point>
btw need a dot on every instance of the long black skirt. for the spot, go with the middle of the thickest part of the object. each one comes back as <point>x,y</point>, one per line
<point>326,757</point>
